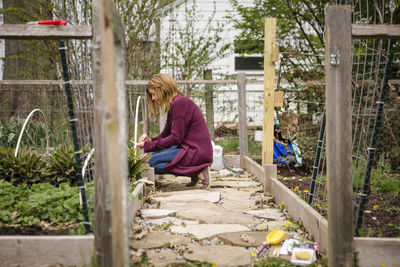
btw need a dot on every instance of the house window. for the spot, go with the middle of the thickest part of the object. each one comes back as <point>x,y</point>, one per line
<point>248,63</point>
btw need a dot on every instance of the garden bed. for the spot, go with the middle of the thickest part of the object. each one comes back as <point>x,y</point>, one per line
<point>381,217</point>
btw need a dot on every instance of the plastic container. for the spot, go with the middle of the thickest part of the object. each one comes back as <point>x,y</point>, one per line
<point>218,163</point>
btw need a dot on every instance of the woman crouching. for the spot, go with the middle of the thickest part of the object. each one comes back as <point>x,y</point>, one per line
<point>184,145</point>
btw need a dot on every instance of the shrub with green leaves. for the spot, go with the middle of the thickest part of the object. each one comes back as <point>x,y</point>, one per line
<point>26,168</point>
<point>137,163</point>
<point>61,166</point>
<point>42,202</point>
<point>34,134</point>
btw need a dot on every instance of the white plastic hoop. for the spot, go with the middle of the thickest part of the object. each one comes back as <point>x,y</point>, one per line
<point>23,129</point>
<point>136,123</point>
<point>86,163</point>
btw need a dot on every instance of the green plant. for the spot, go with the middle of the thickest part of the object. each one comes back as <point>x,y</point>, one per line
<point>34,134</point>
<point>272,262</point>
<point>381,182</point>
<point>137,163</point>
<point>365,233</point>
<point>229,143</point>
<point>26,168</point>
<point>42,202</point>
<point>61,165</point>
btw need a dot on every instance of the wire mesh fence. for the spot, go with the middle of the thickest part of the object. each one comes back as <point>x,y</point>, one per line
<point>375,169</point>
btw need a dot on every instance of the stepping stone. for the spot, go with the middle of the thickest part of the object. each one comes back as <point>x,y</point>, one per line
<point>173,220</point>
<point>243,239</point>
<point>162,259</point>
<point>235,183</point>
<point>201,231</point>
<point>207,212</point>
<point>221,255</point>
<point>272,225</point>
<point>156,213</point>
<point>269,214</point>
<point>158,240</point>
<point>187,196</point>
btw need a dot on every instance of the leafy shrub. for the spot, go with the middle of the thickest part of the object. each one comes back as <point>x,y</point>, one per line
<point>61,165</point>
<point>41,203</point>
<point>137,164</point>
<point>381,182</point>
<point>34,135</point>
<point>27,167</point>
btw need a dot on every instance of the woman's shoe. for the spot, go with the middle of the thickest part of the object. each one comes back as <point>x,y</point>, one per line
<point>193,182</point>
<point>205,178</point>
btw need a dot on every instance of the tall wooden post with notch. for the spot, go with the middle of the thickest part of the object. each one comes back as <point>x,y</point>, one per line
<point>271,55</point>
<point>111,229</point>
<point>338,132</point>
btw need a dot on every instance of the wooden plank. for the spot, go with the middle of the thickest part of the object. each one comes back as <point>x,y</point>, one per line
<point>394,81</point>
<point>269,84</point>
<point>298,209</point>
<point>375,31</point>
<point>338,132</point>
<point>23,31</point>
<point>128,82</point>
<point>209,100</point>
<point>374,251</point>
<point>243,141</point>
<point>278,98</point>
<point>102,221</point>
<point>46,250</point>
<point>270,171</point>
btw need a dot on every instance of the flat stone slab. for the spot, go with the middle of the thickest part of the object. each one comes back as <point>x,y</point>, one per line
<point>163,259</point>
<point>272,225</point>
<point>172,220</point>
<point>207,212</point>
<point>156,213</point>
<point>237,183</point>
<point>187,196</point>
<point>269,214</point>
<point>201,231</point>
<point>221,255</point>
<point>243,239</point>
<point>158,240</point>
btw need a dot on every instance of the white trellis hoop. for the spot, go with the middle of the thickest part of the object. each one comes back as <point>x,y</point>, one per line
<point>23,129</point>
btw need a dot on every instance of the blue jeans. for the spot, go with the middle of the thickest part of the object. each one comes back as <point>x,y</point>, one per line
<point>159,158</point>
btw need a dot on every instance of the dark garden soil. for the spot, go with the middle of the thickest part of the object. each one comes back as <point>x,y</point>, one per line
<point>382,213</point>
<point>31,230</point>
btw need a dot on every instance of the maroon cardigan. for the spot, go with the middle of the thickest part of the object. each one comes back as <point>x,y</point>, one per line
<point>185,128</point>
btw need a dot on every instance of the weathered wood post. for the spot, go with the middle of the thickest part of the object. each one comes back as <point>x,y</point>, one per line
<point>339,144</point>
<point>209,100</point>
<point>271,55</point>
<point>243,139</point>
<point>102,226</point>
<point>111,138</point>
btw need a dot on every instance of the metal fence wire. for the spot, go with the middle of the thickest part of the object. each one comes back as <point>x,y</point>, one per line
<point>371,70</point>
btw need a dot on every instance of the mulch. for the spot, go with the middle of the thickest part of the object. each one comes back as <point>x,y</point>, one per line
<point>382,214</point>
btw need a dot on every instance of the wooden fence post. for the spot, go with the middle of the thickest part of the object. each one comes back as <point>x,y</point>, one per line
<point>208,95</point>
<point>111,138</point>
<point>243,139</point>
<point>339,144</point>
<point>270,57</point>
<point>102,221</point>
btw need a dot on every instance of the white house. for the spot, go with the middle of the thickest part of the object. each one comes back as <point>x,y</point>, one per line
<point>225,101</point>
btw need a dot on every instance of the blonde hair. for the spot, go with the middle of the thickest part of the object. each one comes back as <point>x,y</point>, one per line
<point>165,89</point>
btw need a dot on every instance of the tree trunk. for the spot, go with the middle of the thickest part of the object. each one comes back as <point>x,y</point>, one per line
<point>26,60</point>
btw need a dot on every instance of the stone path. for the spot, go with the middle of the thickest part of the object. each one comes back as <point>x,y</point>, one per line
<point>222,225</point>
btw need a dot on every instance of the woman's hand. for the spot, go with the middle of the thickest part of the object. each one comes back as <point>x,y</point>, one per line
<point>139,144</point>
<point>143,138</point>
